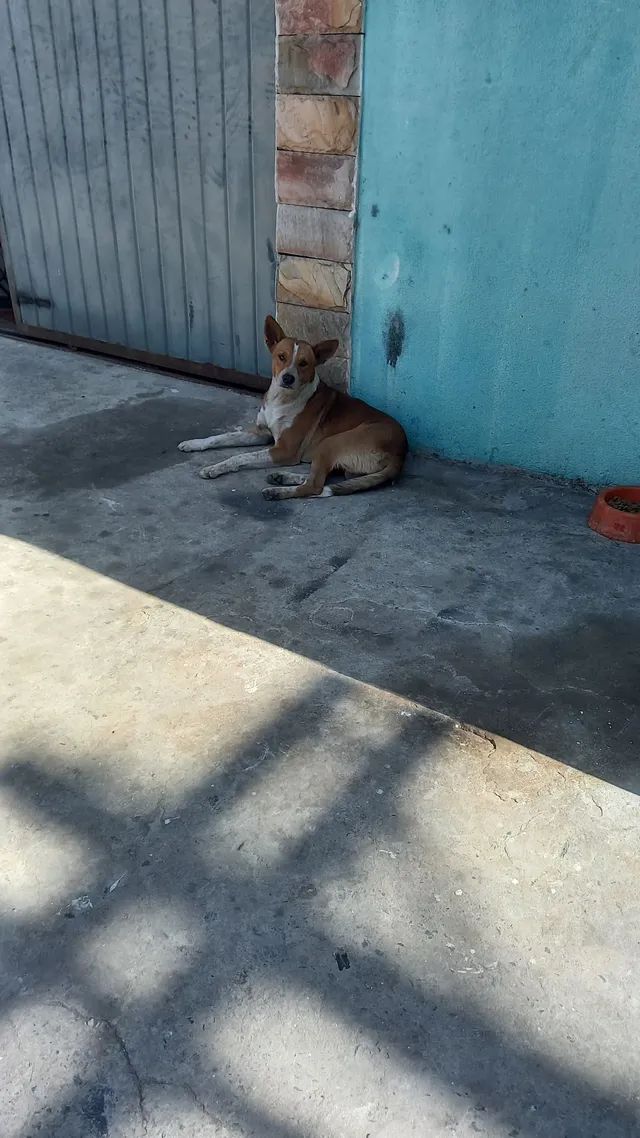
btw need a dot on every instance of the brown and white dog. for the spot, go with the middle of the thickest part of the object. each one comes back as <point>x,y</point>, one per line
<point>303,420</point>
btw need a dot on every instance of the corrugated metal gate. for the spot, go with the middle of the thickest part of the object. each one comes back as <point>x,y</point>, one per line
<point>137,159</point>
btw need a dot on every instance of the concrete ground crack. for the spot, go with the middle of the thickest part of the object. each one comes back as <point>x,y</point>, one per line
<point>510,836</point>
<point>138,1081</point>
<point>98,1021</point>
<point>122,1047</point>
<point>597,805</point>
<point>73,1011</point>
<point>186,1087</point>
<point>478,731</point>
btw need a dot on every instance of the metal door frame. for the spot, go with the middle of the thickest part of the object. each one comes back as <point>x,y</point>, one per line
<point>185,369</point>
<point>178,367</point>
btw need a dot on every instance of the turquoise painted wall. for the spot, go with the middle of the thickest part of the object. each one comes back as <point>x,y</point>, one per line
<point>498,260</point>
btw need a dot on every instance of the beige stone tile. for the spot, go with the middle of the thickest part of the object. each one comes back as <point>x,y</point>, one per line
<point>322,65</point>
<point>317,124</point>
<point>319,284</point>
<point>307,231</point>
<point>316,324</point>
<point>316,179</point>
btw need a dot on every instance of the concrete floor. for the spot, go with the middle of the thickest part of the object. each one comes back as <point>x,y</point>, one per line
<point>219,770</point>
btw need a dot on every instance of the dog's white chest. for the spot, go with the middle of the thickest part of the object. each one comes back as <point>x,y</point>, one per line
<point>277,416</point>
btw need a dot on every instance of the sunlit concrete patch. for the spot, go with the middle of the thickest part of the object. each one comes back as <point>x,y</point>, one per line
<point>139,950</point>
<point>174,1110</point>
<point>126,686</point>
<point>42,864</point>
<point>333,1079</point>
<point>315,752</point>
<point>512,873</point>
<point>67,1077</point>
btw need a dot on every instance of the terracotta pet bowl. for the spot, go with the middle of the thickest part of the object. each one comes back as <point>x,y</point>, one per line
<point>616,513</point>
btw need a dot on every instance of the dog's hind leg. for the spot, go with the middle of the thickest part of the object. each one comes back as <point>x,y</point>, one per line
<point>283,478</point>
<point>311,487</point>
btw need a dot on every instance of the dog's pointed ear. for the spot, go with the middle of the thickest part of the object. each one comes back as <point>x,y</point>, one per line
<point>273,333</point>
<point>325,350</point>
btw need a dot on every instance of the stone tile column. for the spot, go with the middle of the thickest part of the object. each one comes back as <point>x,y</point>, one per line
<point>318,80</point>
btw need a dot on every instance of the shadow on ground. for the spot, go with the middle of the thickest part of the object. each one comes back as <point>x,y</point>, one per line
<point>479,593</point>
<point>171,940</point>
<point>205,936</point>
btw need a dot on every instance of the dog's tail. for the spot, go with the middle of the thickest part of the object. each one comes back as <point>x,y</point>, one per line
<point>368,481</point>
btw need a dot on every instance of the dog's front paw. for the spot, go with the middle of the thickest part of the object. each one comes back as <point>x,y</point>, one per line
<point>209,472</point>
<point>190,445</point>
<point>273,493</point>
<point>276,479</point>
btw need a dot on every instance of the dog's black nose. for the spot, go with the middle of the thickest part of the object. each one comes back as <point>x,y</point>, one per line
<point>288,379</point>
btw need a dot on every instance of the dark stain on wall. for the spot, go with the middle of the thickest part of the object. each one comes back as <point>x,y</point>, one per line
<point>394,337</point>
<point>375,210</point>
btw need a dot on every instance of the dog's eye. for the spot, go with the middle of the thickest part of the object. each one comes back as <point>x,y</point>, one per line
<point>302,363</point>
<point>281,357</point>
